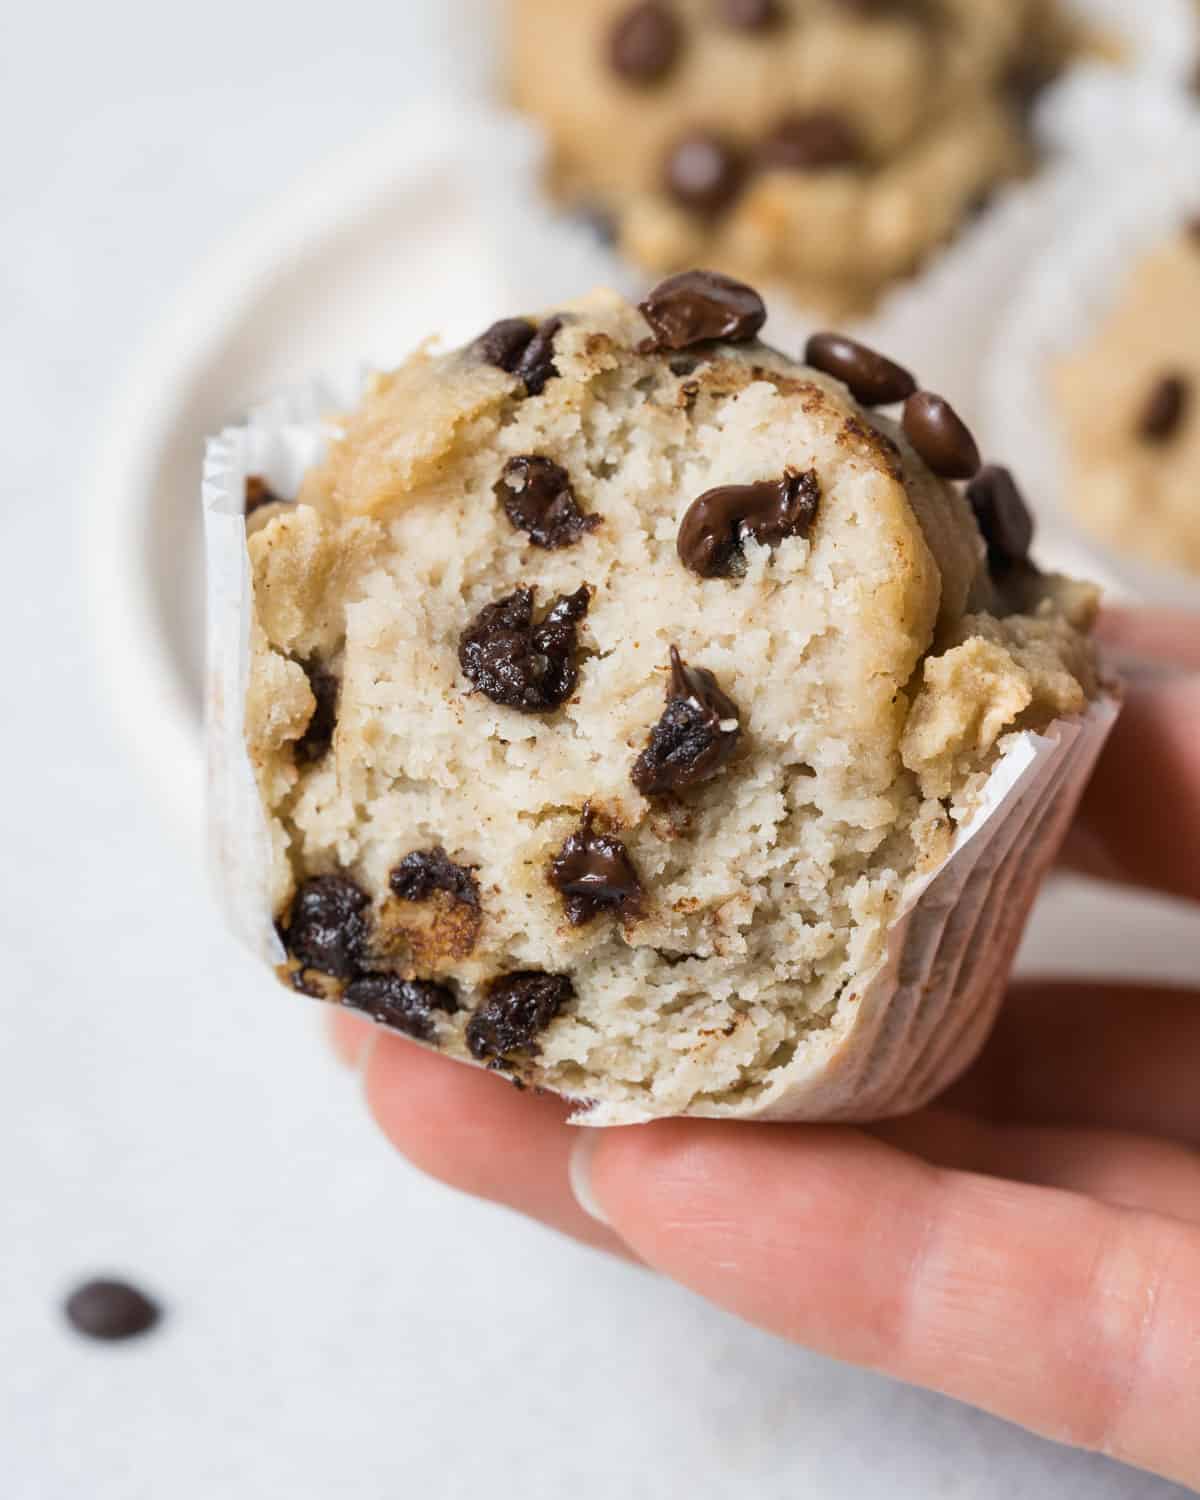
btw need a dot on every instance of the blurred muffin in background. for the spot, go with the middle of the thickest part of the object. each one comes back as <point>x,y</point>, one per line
<point>1129,399</point>
<point>829,145</point>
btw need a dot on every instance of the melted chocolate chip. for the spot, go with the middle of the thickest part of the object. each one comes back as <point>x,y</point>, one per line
<point>518,1008</point>
<point>519,347</point>
<point>645,43</point>
<point>703,172</point>
<point>538,499</point>
<point>940,436</point>
<point>696,736</point>
<point>1164,411</point>
<point>111,1311</point>
<point>314,743</point>
<point>536,366</point>
<point>406,1005</point>
<point>715,526</point>
<point>697,307</point>
<point>424,872</point>
<point>871,378</point>
<point>810,143</point>
<point>595,873</point>
<point>749,15</point>
<point>504,343</point>
<point>1003,517</point>
<point>327,926</point>
<point>519,664</point>
<point>258,494</point>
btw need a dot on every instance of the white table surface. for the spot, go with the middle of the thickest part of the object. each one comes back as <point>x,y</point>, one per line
<point>337,1326</point>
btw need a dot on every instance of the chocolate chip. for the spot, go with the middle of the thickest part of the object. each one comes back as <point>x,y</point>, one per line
<point>538,499</point>
<point>518,1008</point>
<point>406,1005</point>
<point>111,1311</point>
<point>504,343</point>
<point>1164,411</point>
<point>940,436</point>
<point>696,307</point>
<point>645,42</point>
<point>873,379</point>
<point>519,664</point>
<point>536,366</point>
<point>421,874</point>
<point>703,172</point>
<point>595,874</point>
<point>327,927</point>
<point>749,15</point>
<point>694,739</point>
<point>715,526</point>
<point>1003,516</point>
<point>314,743</point>
<point>810,143</point>
<point>258,494</point>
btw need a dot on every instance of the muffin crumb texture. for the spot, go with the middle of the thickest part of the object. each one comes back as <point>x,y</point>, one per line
<point>614,794</point>
<point>826,145</point>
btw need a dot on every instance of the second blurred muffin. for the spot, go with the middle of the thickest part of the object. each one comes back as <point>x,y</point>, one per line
<point>831,145</point>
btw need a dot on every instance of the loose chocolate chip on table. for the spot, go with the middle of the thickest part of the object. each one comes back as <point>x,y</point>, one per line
<point>873,379</point>
<point>517,1009</point>
<point>1164,411</point>
<point>810,143</point>
<point>327,926</point>
<point>258,494</point>
<point>538,499</point>
<point>317,738</point>
<point>697,307</point>
<point>111,1311</point>
<point>1003,516</point>
<point>715,526</point>
<point>519,664</point>
<point>595,874</point>
<point>749,15</point>
<point>703,172</point>
<point>406,1005</point>
<point>696,736</point>
<point>424,872</point>
<point>940,436</point>
<point>645,42</point>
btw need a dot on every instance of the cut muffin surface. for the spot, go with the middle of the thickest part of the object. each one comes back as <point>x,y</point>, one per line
<point>613,678</point>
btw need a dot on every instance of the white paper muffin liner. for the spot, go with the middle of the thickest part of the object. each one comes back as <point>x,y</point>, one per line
<point>1138,190</point>
<point>941,320</point>
<point>897,1039</point>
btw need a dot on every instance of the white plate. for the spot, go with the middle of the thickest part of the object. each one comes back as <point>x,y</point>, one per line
<point>358,261</point>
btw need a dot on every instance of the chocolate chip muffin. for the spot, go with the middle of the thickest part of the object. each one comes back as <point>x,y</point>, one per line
<point>1129,399</point>
<point>613,679</point>
<point>828,144</point>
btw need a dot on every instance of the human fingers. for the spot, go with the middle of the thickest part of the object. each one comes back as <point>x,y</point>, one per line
<point>475,1132</point>
<point>1113,1166</point>
<point>350,1035</point>
<point>1121,1057</point>
<point>1140,819</point>
<point>1151,639</point>
<point>1074,1318</point>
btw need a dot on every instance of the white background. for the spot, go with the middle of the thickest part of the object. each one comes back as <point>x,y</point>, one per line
<point>337,1327</point>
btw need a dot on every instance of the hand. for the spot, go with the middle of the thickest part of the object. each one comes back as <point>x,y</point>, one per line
<point>1030,1246</point>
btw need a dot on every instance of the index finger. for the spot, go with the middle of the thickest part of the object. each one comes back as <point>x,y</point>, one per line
<point>1074,1318</point>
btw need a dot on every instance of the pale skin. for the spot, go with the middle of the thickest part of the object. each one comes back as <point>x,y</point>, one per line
<point>1030,1245</point>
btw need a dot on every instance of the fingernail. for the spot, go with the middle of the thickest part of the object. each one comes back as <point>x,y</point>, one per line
<point>579,1171</point>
